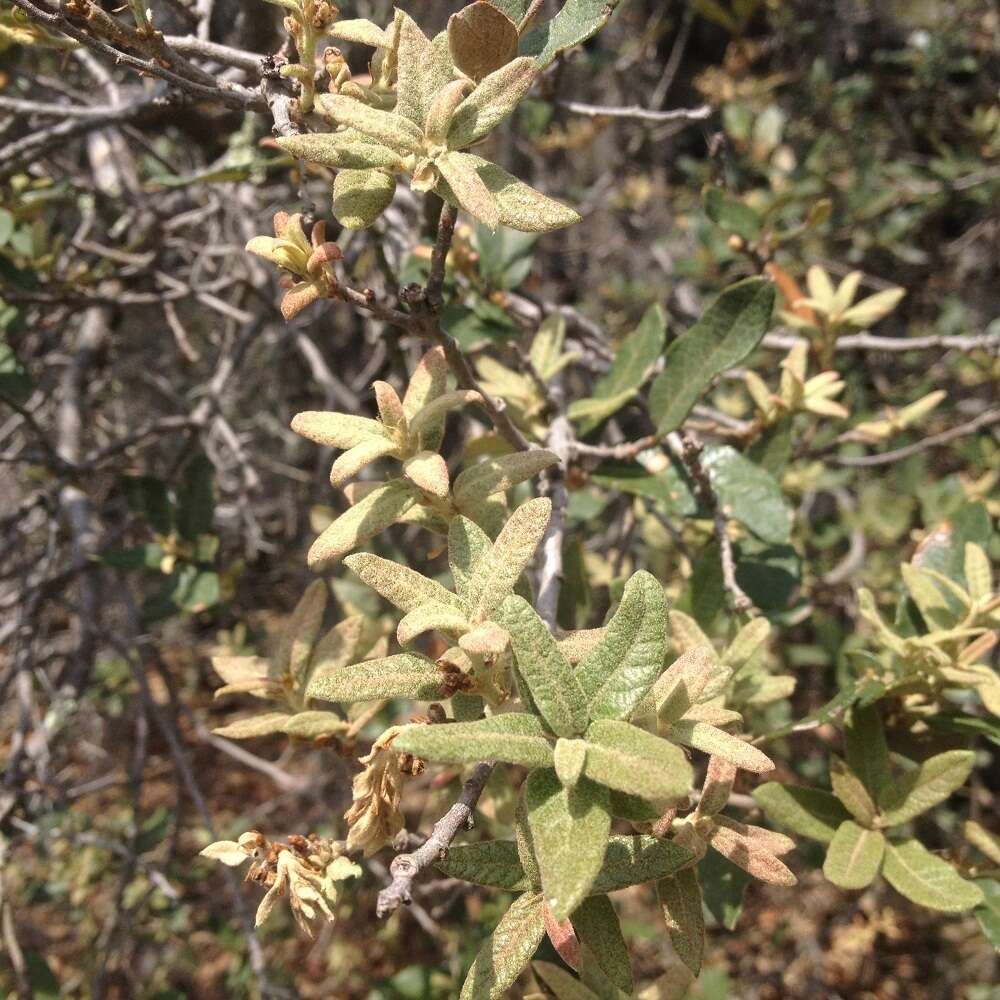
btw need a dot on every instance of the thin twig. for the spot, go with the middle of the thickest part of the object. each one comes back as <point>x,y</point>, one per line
<point>638,114</point>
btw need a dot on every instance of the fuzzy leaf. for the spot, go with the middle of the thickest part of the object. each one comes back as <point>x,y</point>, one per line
<point>577,21</point>
<point>301,631</point>
<point>680,899</point>
<point>714,741</point>
<point>927,880</point>
<point>563,985</point>
<point>405,588</point>
<point>492,863</point>
<point>752,854</point>
<point>467,544</point>
<point>616,675</point>
<point>550,680</point>
<point>481,39</point>
<point>806,811</point>
<point>337,430</point>
<point>384,127</point>
<point>312,725</point>
<point>569,830</point>
<point>352,461</point>
<point>405,675</point>
<point>520,206</point>
<point>978,573</point>
<point>854,856</point>
<point>929,784</point>
<point>866,750</point>
<point>570,756</point>
<point>598,929</point>
<point>425,67</point>
<point>497,475</point>
<point>680,687</point>
<point>361,196</point>
<point>427,617</point>
<point>507,950</point>
<point>631,760</point>
<point>254,725</point>
<point>361,31</point>
<point>850,789</point>
<point>632,860</point>
<point>516,737</point>
<point>228,852</point>
<point>459,173</point>
<point>731,327</point>
<point>332,150</point>
<point>428,471</point>
<point>498,569</point>
<point>491,102</point>
<point>374,513</point>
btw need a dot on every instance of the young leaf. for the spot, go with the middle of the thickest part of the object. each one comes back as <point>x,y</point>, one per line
<point>463,180</point>
<point>352,461</point>
<point>570,757</point>
<point>507,950</point>
<point>930,783</point>
<point>682,684</point>
<point>854,856</point>
<point>577,21</point>
<point>427,617</point>
<point>719,743</point>
<point>337,430</point>
<point>385,505</point>
<point>405,588</point>
<point>405,675</point>
<point>517,738</point>
<point>497,475</point>
<point>718,786</point>
<point>680,899</point>
<point>751,853</point>
<point>361,196</point>
<point>481,39</point>
<point>732,326</point>
<point>616,675</point>
<point>598,929</point>
<point>492,863</point>
<point>550,680</point>
<point>807,811</point>
<point>569,830</point>
<point>385,127</point>
<point>927,880</point>
<point>631,760</point>
<point>850,789</point>
<point>491,102</point>
<point>632,860</point>
<point>312,725</point>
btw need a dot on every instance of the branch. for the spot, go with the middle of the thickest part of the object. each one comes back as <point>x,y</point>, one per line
<point>869,342</point>
<point>405,867</point>
<point>639,114</point>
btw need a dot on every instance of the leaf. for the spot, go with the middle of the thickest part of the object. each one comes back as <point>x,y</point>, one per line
<point>875,307</point>
<point>851,791</point>
<point>633,359</point>
<point>723,887</point>
<point>930,784</point>
<point>598,929</point>
<point>632,860</point>
<point>719,743</point>
<point>854,856</point>
<point>866,750</point>
<point>550,680</point>
<point>520,206</point>
<point>507,950</point>
<point>563,985</point>
<point>337,430</point>
<point>618,672</point>
<point>983,840</point>
<point>228,852</point>
<point>405,675</point>
<point>631,760</point>
<point>385,127</point>
<point>732,215</point>
<point>497,475</point>
<point>361,196</point>
<point>467,544</point>
<point>491,102</point>
<point>405,588</point>
<point>505,256</point>
<point>332,150</point>
<point>927,880</point>
<point>731,328</point>
<point>428,471</point>
<point>492,863</point>
<point>468,188</point>
<point>516,737</point>
<point>352,461</point>
<point>312,725</point>
<point>978,572</point>
<point>428,617</point>
<point>988,914</point>
<point>681,686</point>
<point>301,631</point>
<point>576,22</point>
<point>570,757</point>
<point>680,899</point>
<point>481,39</point>
<point>255,725</point>
<point>748,494</point>
<point>147,497</point>
<point>569,832</point>
<point>753,855</point>
<point>806,811</point>
<point>196,499</point>
<point>385,505</point>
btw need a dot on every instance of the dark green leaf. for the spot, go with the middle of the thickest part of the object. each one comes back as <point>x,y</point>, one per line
<point>196,499</point>
<point>732,215</point>
<point>597,928</point>
<point>680,898</point>
<point>147,498</point>
<point>573,25</point>
<point>632,860</point>
<point>493,863</point>
<point>748,494</point>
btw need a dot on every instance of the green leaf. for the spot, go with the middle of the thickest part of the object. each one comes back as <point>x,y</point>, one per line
<point>516,737</point>
<point>930,784</point>
<point>264,724</point>
<point>578,21</point>
<point>717,742</point>
<point>428,617</point>
<point>723,886</point>
<point>927,880</point>
<point>866,750</point>
<point>507,950</point>
<point>505,256</point>
<point>808,812</point>
<point>748,494</point>
<point>520,206</point>
<point>854,856</point>
<point>668,486</point>
<point>570,757</point>
<point>385,127</point>
<point>361,196</point>
<point>405,588</point>
<point>988,914</point>
<point>562,984</point>
<point>332,150</point>
<point>467,544</point>
<point>633,358</point>
<point>491,102</point>
<point>405,675</point>
<point>619,671</point>
<point>301,631</point>
<point>569,831</point>
<point>497,475</point>
<point>597,928</point>
<point>424,68</point>
<point>732,215</point>
<point>680,899</point>
<point>385,505</point>
<point>196,499</point>
<point>631,760</point>
<point>632,860</point>
<point>147,497</point>
<point>550,680</point>
<point>492,863</point>
<point>337,430</point>
<point>851,791</point>
<point>726,334</point>
<point>312,725</point>
<point>498,569</point>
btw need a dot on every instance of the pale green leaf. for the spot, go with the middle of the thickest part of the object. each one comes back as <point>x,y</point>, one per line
<point>491,102</point>
<point>352,461</point>
<point>978,572</point>
<point>427,617</point>
<point>361,31</point>
<point>719,743</point>
<point>361,196</point>
<point>404,675</point>
<point>332,150</point>
<point>809,812</point>
<point>854,856</point>
<point>875,307</point>
<point>731,327</point>
<point>563,985</point>
<point>680,899</point>
<point>254,725</point>
<point>467,543</point>
<point>928,880</point>
<point>228,852</point>
<point>459,172</point>
<point>570,757</point>
<point>337,430</point>
<point>385,127</point>
<point>313,725</point>
<point>681,686</point>
<point>300,633</point>
<point>746,642</point>
<point>492,863</point>
<point>929,784</point>
<point>405,588</point>
<point>866,750</point>
<point>851,791</point>
<point>516,737</point>
<point>631,760</point>
<point>569,831</point>
<point>497,475</point>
